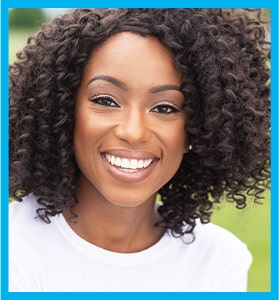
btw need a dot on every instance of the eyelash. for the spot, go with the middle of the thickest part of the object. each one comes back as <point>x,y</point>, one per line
<point>164,109</point>
<point>104,100</point>
<point>109,101</point>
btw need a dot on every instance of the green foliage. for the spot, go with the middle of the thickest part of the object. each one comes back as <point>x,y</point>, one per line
<point>26,18</point>
<point>17,40</point>
<point>266,13</point>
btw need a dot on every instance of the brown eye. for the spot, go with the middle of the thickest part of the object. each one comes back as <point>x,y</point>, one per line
<point>164,109</point>
<point>104,101</point>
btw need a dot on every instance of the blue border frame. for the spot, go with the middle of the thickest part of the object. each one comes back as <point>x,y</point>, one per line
<point>273,4</point>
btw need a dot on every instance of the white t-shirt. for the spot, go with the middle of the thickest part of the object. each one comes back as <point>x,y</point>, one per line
<point>52,257</point>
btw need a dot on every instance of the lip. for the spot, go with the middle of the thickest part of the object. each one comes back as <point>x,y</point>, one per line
<point>123,175</point>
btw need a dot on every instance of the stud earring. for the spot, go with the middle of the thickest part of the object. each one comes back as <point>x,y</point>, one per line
<point>187,148</point>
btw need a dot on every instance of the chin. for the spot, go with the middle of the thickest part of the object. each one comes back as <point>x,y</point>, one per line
<point>127,204</point>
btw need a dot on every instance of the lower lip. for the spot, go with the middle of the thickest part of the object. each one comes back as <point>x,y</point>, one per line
<point>128,175</point>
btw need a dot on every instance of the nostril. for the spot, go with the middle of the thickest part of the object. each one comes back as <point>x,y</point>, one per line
<point>134,131</point>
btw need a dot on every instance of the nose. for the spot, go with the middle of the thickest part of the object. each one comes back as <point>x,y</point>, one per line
<point>133,127</point>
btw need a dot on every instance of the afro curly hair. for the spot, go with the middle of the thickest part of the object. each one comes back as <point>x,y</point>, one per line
<point>223,55</point>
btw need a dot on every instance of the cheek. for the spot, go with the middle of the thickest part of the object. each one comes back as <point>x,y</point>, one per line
<point>87,125</point>
<point>176,137</point>
<point>173,151</point>
<point>175,140</point>
<point>84,133</point>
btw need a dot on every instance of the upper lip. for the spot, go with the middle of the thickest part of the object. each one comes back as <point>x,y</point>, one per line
<point>131,154</point>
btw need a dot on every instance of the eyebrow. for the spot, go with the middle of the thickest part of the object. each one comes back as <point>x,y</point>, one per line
<point>110,79</point>
<point>123,86</point>
<point>162,88</point>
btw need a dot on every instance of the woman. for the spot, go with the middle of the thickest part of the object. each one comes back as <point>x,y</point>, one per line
<point>126,126</point>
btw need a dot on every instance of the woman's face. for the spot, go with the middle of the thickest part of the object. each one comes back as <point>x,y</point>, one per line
<point>129,133</point>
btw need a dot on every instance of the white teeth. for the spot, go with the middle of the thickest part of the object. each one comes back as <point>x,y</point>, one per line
<point>126,163</point>
<point>140,164</point>
<point>118,161</point>
<point>133,164</point>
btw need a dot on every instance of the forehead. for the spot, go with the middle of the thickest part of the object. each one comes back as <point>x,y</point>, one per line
<point>128,54</point>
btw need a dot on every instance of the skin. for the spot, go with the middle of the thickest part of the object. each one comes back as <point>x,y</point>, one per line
<point>128,105</point>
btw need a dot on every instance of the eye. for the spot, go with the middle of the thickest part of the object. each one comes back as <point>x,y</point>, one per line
<point>104,100</point>
<point>164,109</point>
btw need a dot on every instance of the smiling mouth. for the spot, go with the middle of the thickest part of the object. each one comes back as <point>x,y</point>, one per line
<point>128,165</point>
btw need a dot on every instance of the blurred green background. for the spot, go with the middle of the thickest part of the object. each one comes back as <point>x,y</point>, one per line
<point>251,225</point>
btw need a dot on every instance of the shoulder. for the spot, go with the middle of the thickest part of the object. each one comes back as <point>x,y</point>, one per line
<point>25,210</point>
<point>27,238</point>
<point>216,259</point>
<point>220,240</point>
<point>214,233</point>
<point>214,245</point>
<point>23,215</point>
<point>24,223</point>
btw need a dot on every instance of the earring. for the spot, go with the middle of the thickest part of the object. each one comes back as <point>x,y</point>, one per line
<point>187,148</point>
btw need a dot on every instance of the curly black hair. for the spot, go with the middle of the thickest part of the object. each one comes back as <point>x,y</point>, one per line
<point>223,55</point>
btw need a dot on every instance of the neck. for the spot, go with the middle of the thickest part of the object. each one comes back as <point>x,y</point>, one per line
<point>115,228</point>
